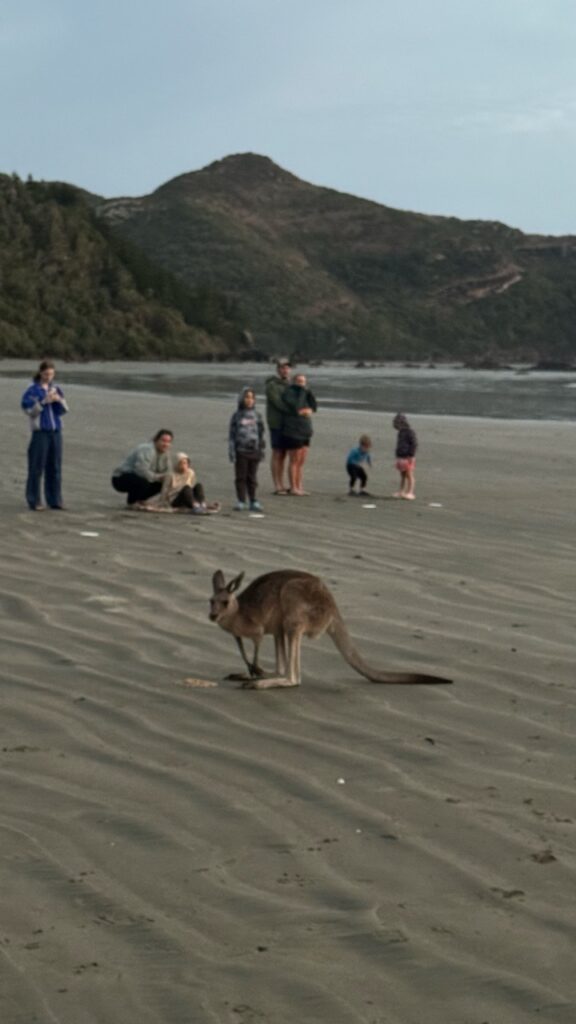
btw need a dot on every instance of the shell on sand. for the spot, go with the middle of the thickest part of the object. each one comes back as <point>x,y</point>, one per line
<point>200,683</point>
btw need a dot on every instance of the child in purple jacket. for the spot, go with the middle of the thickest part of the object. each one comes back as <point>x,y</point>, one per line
<point>406,445</point>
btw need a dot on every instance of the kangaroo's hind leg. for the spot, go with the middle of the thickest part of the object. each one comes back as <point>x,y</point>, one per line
<point>294,672</point>
<point>280,648</point>
<point>292,676</point>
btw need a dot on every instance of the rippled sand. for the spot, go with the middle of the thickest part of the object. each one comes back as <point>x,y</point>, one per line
<point>344,853</point>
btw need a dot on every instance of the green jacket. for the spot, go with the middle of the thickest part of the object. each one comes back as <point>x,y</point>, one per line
<point>276,408</point>
<point>295,426</point>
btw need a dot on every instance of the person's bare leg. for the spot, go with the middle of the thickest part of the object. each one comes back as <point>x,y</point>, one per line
<point>300,460</point>
<point>400,492</point>
<point>410,484</point>
<point>293,469</point>
<point>277,469</point>
<point>295,476</point>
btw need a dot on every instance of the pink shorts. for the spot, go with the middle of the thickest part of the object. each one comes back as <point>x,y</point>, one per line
<point>405,465</point>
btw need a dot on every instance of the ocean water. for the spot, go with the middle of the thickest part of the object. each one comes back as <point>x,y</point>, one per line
<point>516,393</point>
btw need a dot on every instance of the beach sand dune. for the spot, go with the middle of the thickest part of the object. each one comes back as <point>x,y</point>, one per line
<point>344,853</point>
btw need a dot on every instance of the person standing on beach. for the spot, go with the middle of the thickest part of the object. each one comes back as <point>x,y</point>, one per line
<point>276,408</point>
<point>142,473</point>
<point>406,445</point>
<point>246,449</point>
<point>44,403</point>
<point>297,429</point>
<point>356,472</point>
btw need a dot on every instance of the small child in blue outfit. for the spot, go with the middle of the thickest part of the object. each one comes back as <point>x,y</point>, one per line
<point>246,445</point>
<point>356,456</point>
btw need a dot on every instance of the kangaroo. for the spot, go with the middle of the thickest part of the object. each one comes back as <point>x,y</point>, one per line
<point>289,604</point>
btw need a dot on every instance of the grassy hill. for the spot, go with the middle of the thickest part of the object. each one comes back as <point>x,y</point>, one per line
<point>330,274</point>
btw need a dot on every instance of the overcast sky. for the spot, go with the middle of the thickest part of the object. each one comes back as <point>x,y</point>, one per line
<point>459,107</point>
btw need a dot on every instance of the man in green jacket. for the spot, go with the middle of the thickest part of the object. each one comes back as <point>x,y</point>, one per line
<point>276,409</point>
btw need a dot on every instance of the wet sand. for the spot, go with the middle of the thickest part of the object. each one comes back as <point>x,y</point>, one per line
<point>343,853</point>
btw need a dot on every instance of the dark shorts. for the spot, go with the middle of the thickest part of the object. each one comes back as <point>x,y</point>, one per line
<point>291,443</point>
<point>277,439</point>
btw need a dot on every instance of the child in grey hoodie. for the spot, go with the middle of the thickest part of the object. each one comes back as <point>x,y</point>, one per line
<point>246,449</point>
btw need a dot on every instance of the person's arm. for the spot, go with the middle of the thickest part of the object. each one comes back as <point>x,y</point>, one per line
<point>311,401</point>
<point>407,444</point>
<point>164,497</point>
<point>261,436</point>
<point>143,465</point>
<point>60,404</point>
<point>33,402</point>
<point>232,437</point>
<point>293,400</point>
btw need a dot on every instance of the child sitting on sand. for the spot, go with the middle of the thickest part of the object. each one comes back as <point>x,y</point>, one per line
<point>406,445</point>
<point>181,492</point>
<point>356,473</point>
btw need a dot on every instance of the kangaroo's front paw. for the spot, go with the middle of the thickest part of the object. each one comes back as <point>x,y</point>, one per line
<point>238,677</point>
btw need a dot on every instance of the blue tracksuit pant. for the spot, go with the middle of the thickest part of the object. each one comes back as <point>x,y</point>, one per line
<point>44,460</point>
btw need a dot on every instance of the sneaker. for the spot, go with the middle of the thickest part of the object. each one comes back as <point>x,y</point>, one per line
<point>255,506</point>
<point>240,506</point>
<point>351,493</point>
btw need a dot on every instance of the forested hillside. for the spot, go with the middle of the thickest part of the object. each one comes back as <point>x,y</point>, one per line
<point>70,287</point>
<point>330,274</point>
<point>244,258</point>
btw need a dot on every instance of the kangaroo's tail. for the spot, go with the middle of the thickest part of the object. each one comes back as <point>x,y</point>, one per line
<point>338,632</point>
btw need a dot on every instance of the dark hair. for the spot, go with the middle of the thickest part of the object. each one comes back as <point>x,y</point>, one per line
<point>400,421</point>
<point>46,364</point>
<point>160,433</point>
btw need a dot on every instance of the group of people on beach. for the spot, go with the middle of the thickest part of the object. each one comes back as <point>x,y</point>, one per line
<point>154,480</point>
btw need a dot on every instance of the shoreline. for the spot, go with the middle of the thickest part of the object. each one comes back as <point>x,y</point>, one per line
<point>384,396</point>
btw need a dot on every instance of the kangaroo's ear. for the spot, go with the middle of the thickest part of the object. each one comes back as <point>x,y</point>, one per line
<point>218,581</point>
<point>235,583</point>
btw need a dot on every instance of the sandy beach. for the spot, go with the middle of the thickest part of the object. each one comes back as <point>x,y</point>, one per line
<point>341,853</point>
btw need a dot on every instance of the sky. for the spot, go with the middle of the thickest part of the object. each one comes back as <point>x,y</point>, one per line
<point>465,108</point>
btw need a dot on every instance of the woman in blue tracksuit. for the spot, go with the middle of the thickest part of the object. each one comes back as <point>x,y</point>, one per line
<point>44,403</point>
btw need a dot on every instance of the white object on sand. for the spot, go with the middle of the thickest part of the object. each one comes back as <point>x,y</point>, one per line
<point>88,533</point>
<point>435,504</point>
<point>368,506</point>
<point>341,782</point>
<point>255,515</point>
